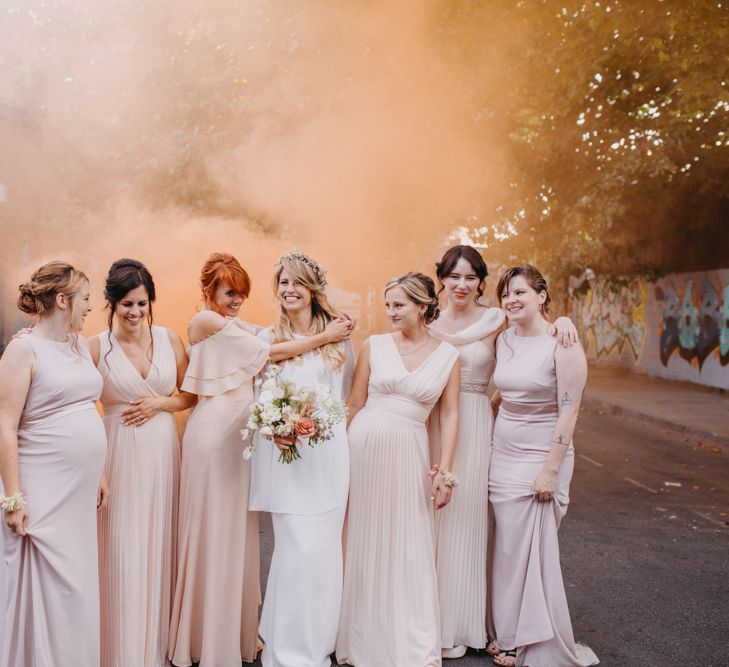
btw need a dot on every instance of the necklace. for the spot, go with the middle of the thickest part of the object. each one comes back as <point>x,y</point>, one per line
<point>405,354</point>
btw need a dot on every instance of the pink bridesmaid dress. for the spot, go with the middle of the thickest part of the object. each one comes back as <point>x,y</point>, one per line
<point>390,615</point>
<point>51,613</point>
<point>529,605</point>
<point>461,528</point>
<point>137,529</point>
<point>217,594</point>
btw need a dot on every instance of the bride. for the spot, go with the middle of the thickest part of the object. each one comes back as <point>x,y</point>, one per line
<point>307,498</point>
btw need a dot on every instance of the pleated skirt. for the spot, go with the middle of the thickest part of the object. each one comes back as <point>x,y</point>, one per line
<point>137,542</point>
<point>390,615</point>
<point>461,528</point>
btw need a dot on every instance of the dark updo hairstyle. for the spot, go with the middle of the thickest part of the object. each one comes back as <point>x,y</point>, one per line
<point>124,276</point>
<point>421,290</point>
<point>38,295</point>
<point>533,277</point>
<point>450,258</point>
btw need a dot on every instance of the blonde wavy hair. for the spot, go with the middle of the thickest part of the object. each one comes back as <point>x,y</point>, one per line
<point>309,274</point>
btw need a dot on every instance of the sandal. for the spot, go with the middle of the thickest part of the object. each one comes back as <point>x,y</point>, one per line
<point>491,648</point>
<point>504,659</point>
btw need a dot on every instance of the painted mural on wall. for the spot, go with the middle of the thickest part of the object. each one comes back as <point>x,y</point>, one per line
<point>675,327</point>
<point>614,318</point>
<point>695,324</point>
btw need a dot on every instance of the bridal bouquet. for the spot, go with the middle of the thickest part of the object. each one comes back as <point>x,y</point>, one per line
<point>287,409</point>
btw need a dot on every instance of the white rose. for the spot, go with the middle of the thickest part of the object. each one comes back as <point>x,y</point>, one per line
<point>278,392</point>
<point>271,414</point>
<point>266,431</point>
<point>266,397</point>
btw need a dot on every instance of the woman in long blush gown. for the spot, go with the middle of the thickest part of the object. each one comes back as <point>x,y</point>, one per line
<point>141,365</point>
<point>215,605</point>
<point>461,528</point>
<point>306,498</point>
<point>532,459</point>
<point>390,615</point>
<point>52,450</point>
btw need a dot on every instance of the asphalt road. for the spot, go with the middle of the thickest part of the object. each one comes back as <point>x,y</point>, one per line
<point>645,546</point>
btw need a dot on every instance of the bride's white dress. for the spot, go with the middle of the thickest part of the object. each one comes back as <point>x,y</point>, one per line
<point>307,500</point>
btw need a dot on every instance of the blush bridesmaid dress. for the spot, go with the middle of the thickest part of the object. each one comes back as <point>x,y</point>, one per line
<point>390,615</point>
<point>529,605</point>
<point>461,528</point>
<point>217,594</point>
<point>138,527</point>
<point>51,613</point>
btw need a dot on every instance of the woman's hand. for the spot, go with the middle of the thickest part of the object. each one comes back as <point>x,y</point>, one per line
<point>440,494</point>
<point>545,486</point>
<point>339,329</point>
<point>142,410</point>
<point>565,330</point>
<point>284,442</point>
<point>17,521</point>
<point>102,495</point>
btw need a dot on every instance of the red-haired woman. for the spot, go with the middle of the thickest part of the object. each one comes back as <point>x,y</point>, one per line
<point>215,609</point>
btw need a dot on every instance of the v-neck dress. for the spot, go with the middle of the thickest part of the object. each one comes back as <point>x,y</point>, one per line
<point>390,615</point>
<point>137,529</point>
<point>461,528</point>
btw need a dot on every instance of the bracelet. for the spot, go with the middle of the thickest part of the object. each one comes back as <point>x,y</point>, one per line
<point>449,478</point>
<point>12,503</point>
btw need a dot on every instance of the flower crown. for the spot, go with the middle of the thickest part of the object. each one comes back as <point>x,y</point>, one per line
<point>319,272</point>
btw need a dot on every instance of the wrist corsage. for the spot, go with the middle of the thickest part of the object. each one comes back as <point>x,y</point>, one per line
<point>449,478</point>
<point>12,503</point>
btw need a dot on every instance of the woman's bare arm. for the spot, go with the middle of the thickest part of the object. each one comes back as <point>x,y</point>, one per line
<point>360,382</point>
<point>571,366</point>
<point>16,372</point>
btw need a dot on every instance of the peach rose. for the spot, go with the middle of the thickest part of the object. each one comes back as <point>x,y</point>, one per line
<point>305,427</point>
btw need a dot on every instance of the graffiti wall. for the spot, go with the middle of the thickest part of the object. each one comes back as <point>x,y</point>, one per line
<point>676,327</point>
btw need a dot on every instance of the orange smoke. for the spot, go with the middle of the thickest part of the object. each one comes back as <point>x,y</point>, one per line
<point>353,131</point>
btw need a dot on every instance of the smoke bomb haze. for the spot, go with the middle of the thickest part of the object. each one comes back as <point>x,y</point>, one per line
<point>356,132</point>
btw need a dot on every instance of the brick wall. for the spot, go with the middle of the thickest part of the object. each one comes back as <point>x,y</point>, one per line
<point>676,327</point>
